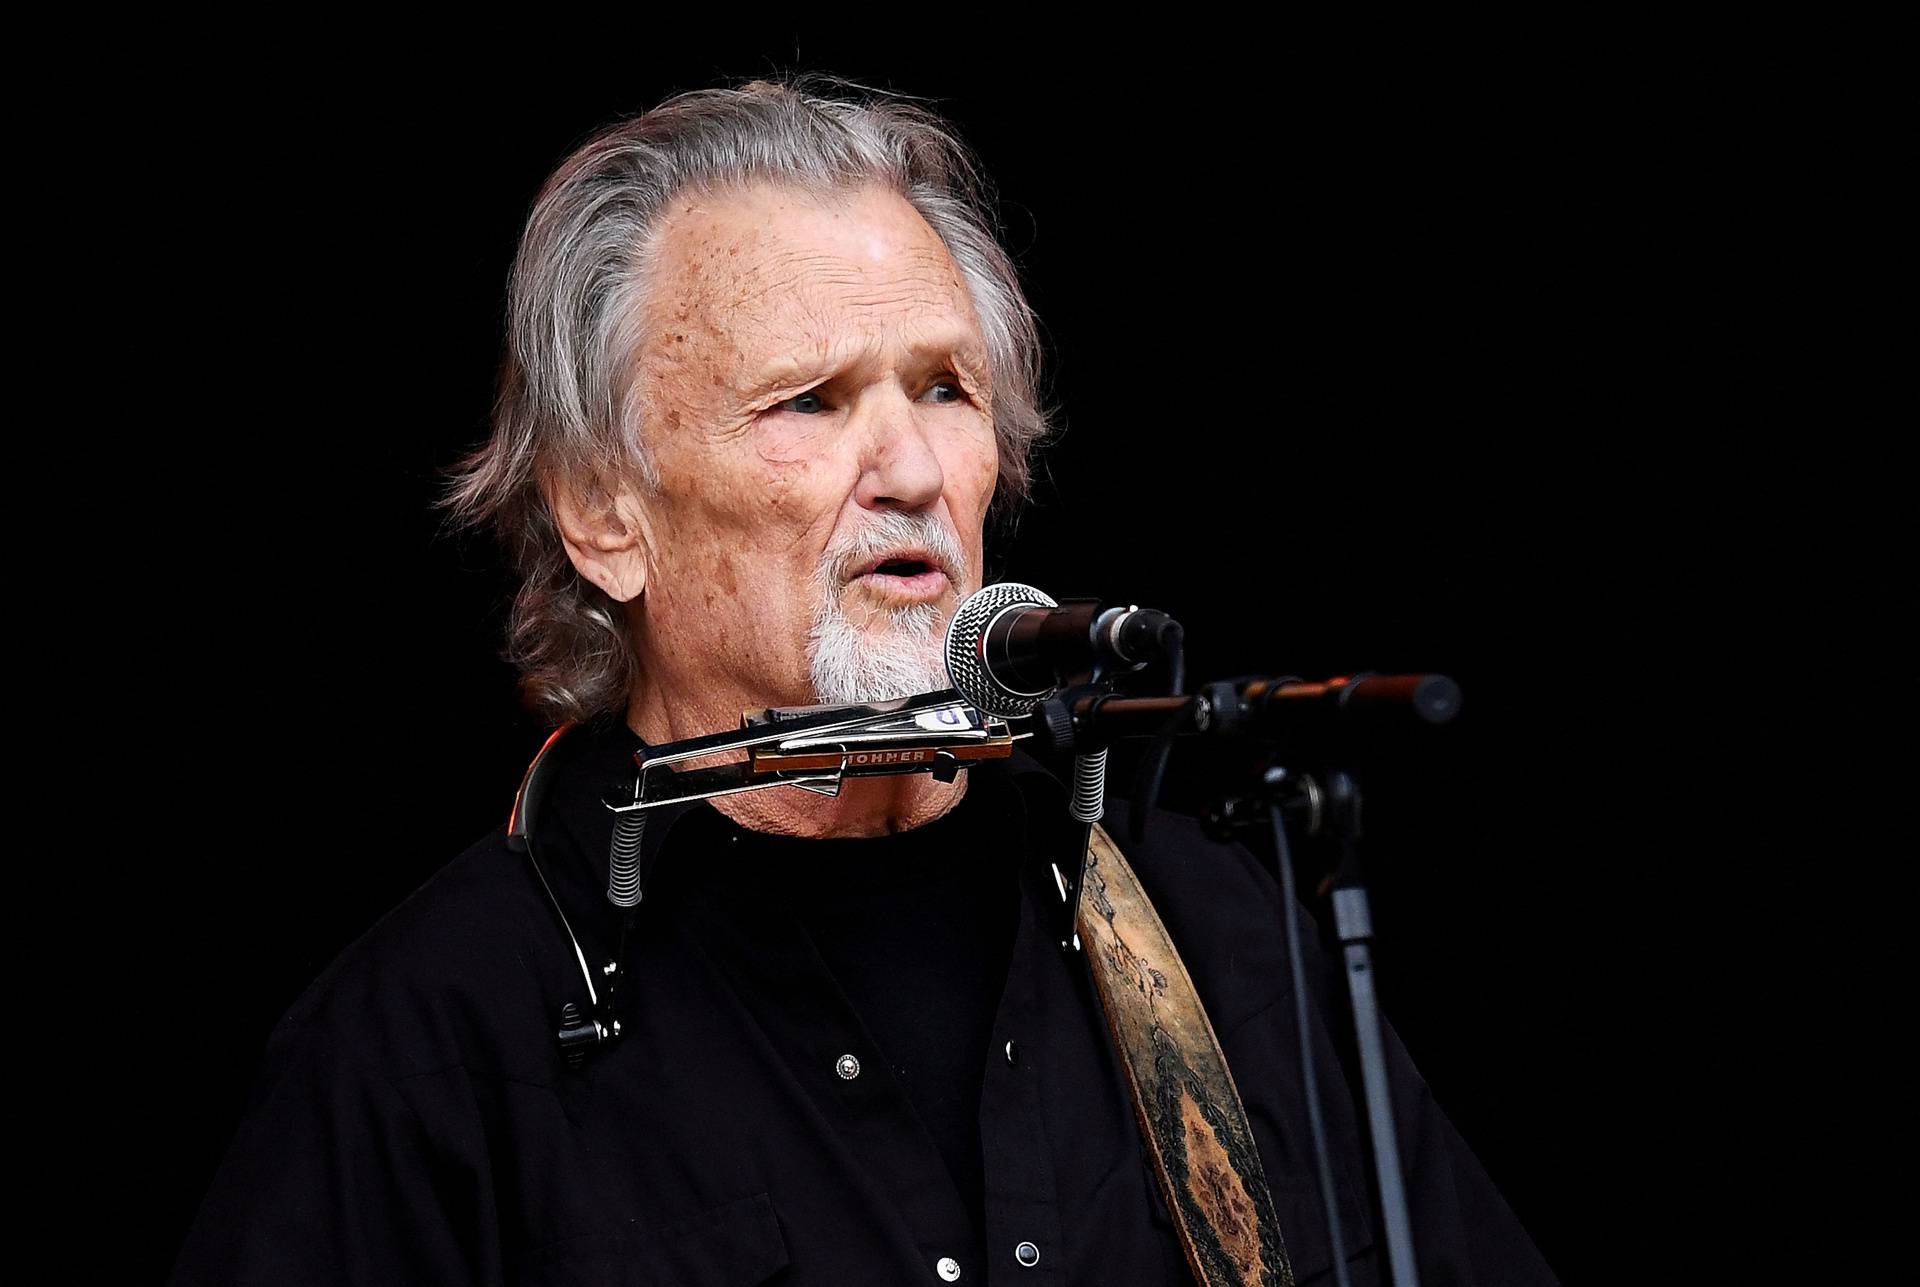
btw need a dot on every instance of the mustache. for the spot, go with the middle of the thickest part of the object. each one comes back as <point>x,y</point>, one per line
<point>886,532</point>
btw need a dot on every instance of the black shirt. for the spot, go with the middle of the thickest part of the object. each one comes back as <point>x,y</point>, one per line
<point>897,920</point>
<point>414,1121</point>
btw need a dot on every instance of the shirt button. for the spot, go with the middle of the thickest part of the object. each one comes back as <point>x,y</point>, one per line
<point>1027,1254</point>
<point>1013,1055</point>
<point>847,1066</point>
<point>949,1268</point>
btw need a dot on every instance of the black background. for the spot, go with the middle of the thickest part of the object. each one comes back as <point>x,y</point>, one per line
<point>1404,361</point>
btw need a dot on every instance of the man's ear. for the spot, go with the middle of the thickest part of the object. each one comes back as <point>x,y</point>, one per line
<point>605,535</point>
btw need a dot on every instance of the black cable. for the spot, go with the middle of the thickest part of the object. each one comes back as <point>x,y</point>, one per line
<point>627,918</point>
<point>1284,857</point>
<point>1153,766</point>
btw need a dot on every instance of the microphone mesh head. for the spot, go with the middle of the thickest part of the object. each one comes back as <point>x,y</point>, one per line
<point>968,631</point>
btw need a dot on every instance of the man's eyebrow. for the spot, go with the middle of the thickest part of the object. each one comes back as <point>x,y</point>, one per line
<point>818,362</point>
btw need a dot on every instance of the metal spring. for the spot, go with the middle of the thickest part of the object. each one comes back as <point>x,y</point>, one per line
<point>623,865</point>
<point>1089,786</point>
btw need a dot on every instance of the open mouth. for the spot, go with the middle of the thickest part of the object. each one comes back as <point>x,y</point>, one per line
<point>908,574</point>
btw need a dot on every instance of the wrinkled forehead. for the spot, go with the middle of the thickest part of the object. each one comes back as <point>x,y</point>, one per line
<point>758,282</point>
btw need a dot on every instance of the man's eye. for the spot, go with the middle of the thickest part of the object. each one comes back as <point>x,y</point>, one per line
<point>803,403</point>
<point>812,402</point>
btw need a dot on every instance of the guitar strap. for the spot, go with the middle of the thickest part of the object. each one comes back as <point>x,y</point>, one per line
<point>1183,1093</point>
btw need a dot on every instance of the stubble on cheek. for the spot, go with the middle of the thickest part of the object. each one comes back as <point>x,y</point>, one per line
<point>740,602</point>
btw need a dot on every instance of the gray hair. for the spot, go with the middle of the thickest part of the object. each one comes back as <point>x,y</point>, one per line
<point>567,413</point>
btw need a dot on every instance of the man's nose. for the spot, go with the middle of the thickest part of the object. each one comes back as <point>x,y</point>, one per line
<point>900,468</point>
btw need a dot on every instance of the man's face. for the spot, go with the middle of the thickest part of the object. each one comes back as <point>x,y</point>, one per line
<point>815,389</point>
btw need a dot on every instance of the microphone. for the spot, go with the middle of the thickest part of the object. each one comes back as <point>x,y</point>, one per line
<point>1010,647</point>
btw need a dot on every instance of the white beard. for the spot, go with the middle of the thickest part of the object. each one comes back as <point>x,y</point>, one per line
<point>900,656</point>
<point>903,652</point>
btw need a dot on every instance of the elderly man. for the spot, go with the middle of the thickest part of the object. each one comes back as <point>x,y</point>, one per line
<point>767,373</point>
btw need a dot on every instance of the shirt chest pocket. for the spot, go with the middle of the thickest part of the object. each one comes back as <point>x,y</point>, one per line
<point>736,1244</point>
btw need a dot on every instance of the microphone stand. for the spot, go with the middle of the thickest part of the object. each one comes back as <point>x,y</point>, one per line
<point>1284,709</point>
<point>1353,923</point>
<point>1335,809</point>
<point>1091,715</point>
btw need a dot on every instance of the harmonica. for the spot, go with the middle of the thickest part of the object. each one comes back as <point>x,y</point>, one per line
<point>891,744</point>
<point>816,747</point>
